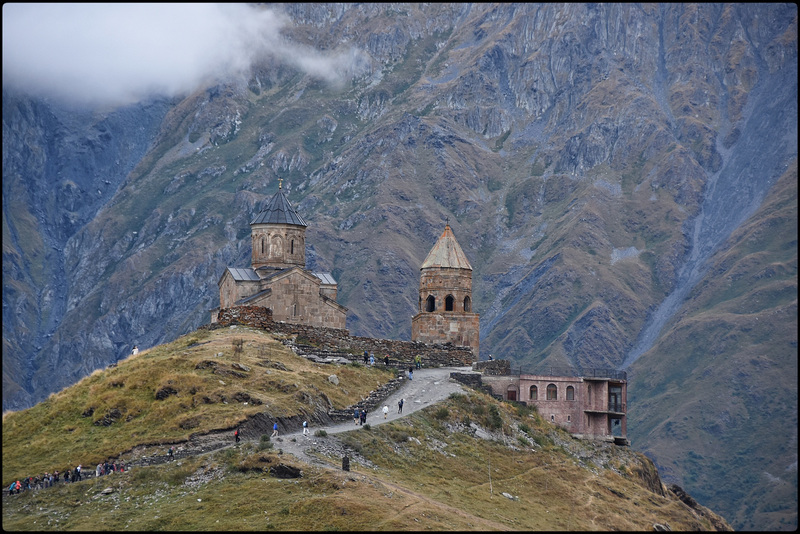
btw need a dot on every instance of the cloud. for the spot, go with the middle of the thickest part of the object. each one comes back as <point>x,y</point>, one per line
<point>122,53</point>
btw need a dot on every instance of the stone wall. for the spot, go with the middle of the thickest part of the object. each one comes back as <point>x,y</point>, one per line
<point>493,367</point>
<point>373,400</point>
<point>474,381</point>
<point>401,353</point>
<point>256,316</point>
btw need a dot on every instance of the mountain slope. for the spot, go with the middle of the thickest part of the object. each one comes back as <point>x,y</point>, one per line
<point>467,463</point>
<point>590,159</point>
<point>702,386</point>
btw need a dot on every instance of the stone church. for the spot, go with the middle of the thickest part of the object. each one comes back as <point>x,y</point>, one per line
<point>277,278</point>
<point>445,297</point>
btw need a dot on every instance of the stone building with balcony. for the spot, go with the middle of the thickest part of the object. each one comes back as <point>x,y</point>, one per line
<point>589,404</point>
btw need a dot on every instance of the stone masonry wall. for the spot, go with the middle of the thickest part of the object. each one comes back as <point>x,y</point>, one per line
<point>401,353</point>
<point>493,367</point>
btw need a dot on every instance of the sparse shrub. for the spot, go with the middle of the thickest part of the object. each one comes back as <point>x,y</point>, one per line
<point>238,347</point>
<point>352,443</point>
<point>398,435</point>
<point>265,443</point>
<point>479,409</point>
<point>442,413</point>
<point>495,420</point>
<point>366,426</point>
<point>524,410</point>
<point>525,428</point>
<point>229,458</point>
<point>524,441</point>
<point>540,440</point>
<point>320,433</point>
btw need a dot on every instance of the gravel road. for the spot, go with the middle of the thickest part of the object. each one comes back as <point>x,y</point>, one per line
<point>428,387</point>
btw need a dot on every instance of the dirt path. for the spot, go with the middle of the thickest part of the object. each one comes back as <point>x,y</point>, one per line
<point>428,387</point>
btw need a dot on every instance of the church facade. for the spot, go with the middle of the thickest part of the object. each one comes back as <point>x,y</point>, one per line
<point>445,297</point>
<point>277,277</point>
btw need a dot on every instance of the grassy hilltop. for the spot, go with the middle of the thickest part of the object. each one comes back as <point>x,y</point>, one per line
<point>469,463</point>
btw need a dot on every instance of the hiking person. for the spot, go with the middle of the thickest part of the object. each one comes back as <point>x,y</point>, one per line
<point>410,373</point>
<point>135,350</point>
<point>305,428</point>
<point>236,435</point>
<point>355,417</point>
<point>372,359</point>
<point>171,453</point>
<point>366,357</point>
<point>274,430</point>
<point>386,360</point>
<point>385,411</point>
<point>78,476</point>
<point>418,361</point>
<point>363,417</point>
<point>400,406</point>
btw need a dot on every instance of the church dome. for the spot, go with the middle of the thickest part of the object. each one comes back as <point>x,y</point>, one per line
<point>279,211</point>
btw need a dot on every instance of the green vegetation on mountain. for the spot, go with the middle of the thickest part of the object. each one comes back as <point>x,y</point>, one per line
<point>468,463</point>
<point>725,373</point>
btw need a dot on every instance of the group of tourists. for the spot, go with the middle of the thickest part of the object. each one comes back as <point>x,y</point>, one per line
<point>369,359</point>
<point>360,416</point>
<point>67,476</point>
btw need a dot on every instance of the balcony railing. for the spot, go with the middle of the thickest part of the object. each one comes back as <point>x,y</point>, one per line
<point>613,374</point>
<point>618,407</point>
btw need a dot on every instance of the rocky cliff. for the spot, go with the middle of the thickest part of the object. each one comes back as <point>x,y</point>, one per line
<point>595,162</point>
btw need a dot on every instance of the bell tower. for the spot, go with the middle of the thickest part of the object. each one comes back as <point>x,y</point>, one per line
<point>445,297</point>
<point>278,235</point>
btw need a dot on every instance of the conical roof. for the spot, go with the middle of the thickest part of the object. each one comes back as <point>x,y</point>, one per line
<point>279,211</point>
<point>447,253</point>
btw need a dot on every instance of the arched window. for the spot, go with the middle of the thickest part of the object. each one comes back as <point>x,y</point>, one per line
<point>552,392</point>
<point>262,244</point>
<point>430,304</point>
<point>448,303</point>
<point>570,393</point>
<point>467,305</point>
<point>534,393</point>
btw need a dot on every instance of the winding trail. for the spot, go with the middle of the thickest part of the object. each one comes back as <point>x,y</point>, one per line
<point>428,387</point>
